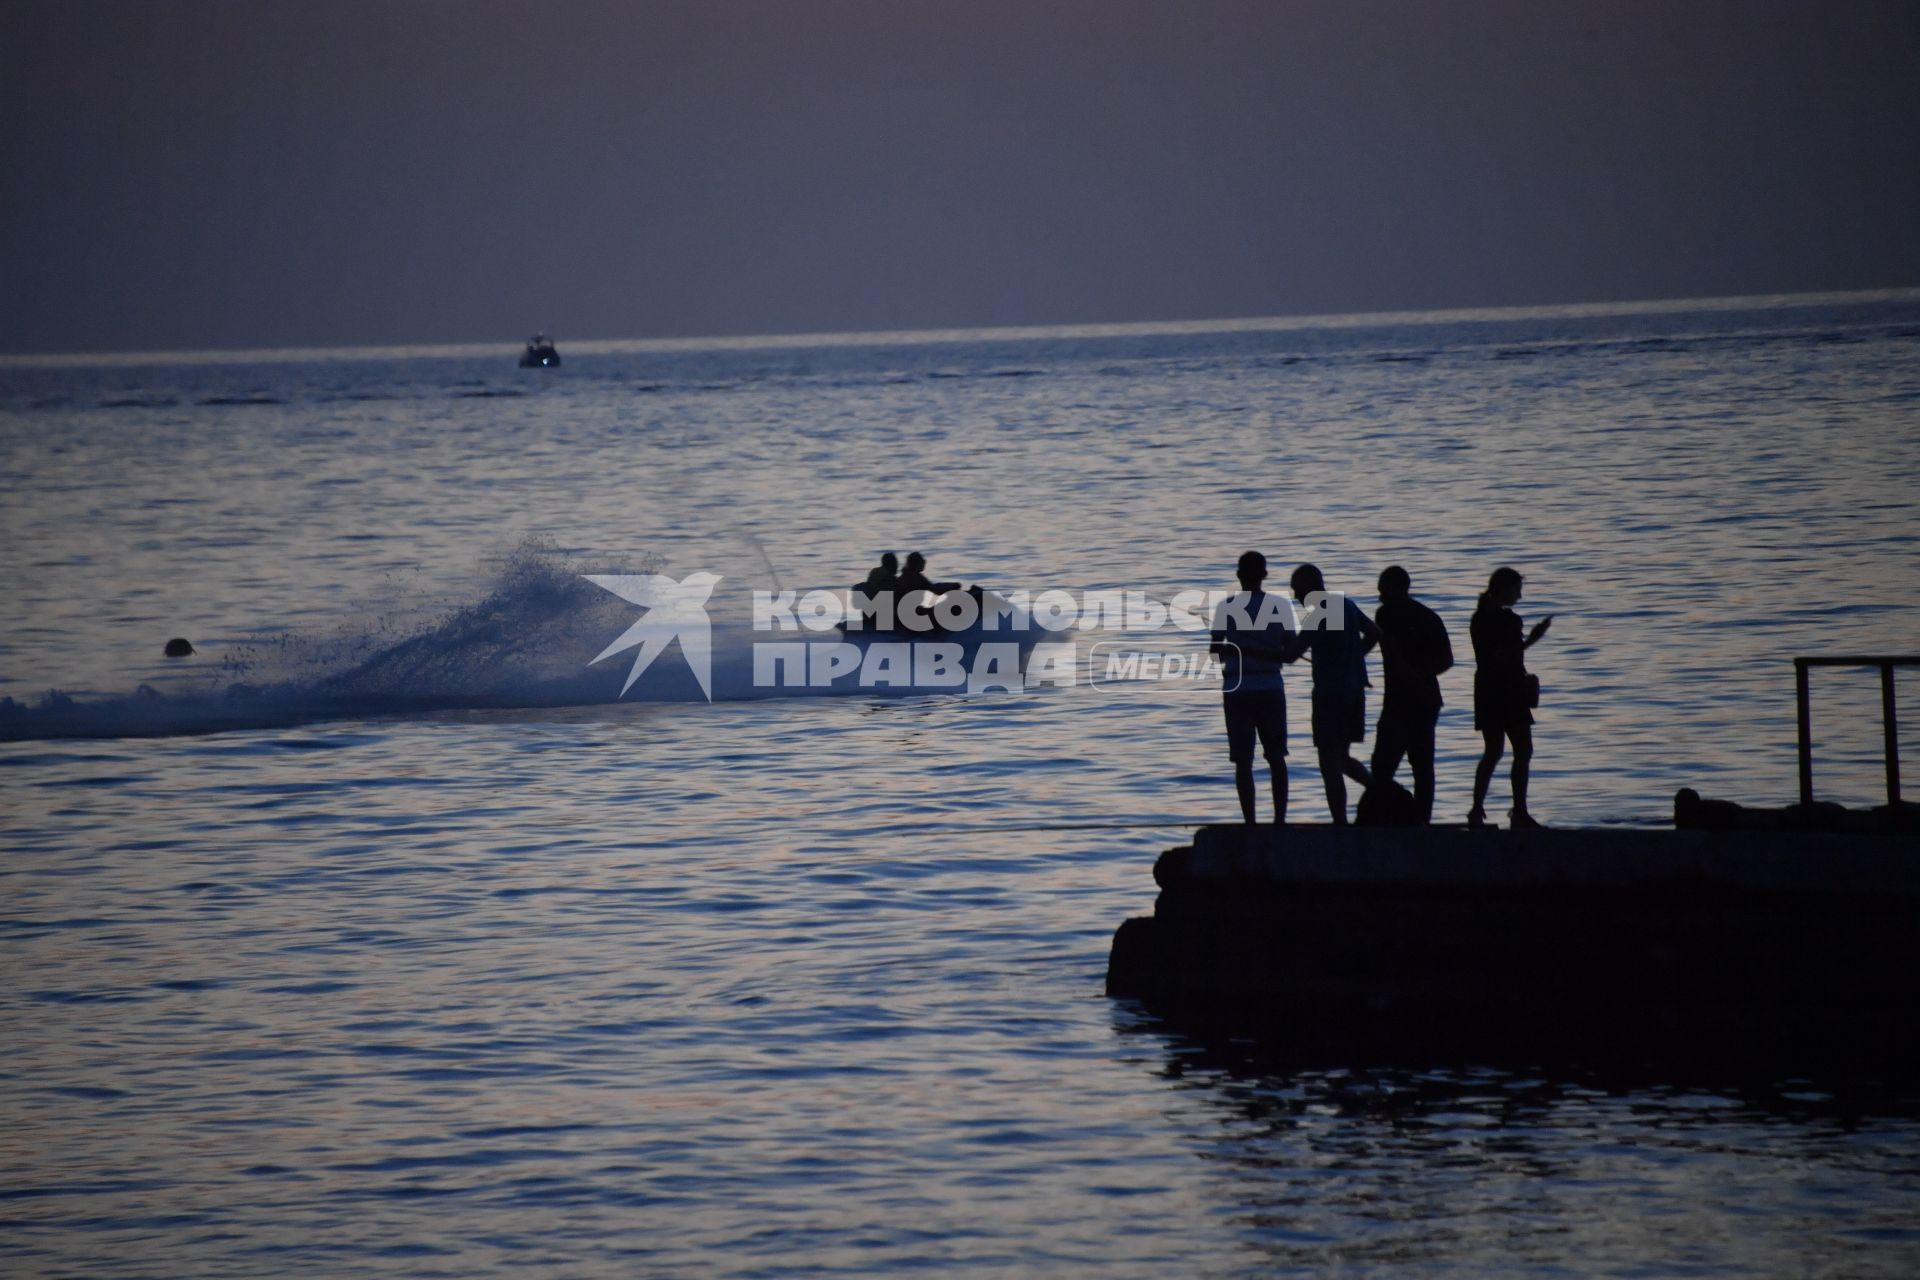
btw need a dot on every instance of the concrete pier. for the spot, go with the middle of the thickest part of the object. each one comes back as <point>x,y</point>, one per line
<point>1737,948</point>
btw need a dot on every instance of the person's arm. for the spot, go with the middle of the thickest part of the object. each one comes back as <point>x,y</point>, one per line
<point>1539,629</point>
<point>1369,633</point>
<point>1442,647</point>
<point>1286,644</point>
<point>1274,643</point>
<point>941,588</point>
<point>1258,643</point>
<point>1402,647</point>
<point>1217,637</point>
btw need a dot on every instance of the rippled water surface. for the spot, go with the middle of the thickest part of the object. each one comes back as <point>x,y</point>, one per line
<point>812,986</point>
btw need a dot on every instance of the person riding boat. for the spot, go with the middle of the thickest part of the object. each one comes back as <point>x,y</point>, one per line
<point>914,590</point>
<point>881,580</point>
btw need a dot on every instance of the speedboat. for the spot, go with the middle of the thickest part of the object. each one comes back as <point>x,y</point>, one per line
<point>992,620</point>
<point>540,353</point>
<point>993,645</point>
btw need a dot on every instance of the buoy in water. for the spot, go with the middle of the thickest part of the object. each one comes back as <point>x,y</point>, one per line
<point>179,648</point>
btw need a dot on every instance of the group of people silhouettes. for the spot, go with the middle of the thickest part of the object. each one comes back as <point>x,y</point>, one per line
<point>907,588</point>
<point>1255,636</point>
<point>889,576</point>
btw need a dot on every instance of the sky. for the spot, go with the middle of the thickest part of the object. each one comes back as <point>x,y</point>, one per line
<point>219,175</point>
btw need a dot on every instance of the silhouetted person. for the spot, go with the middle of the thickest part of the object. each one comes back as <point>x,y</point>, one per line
<point>882,576</point>
<point>882,579</point>
<point>1253,634</point>
<point>914,578</point>
<point>913,582</point>
<point>1503,694</point>
<point>1339,688</point>
<point>1414,650</point>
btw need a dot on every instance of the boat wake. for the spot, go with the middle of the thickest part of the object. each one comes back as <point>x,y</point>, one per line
<point>530,641</point>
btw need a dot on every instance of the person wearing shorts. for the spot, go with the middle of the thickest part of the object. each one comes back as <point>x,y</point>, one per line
<point>1254,637</point>
<point>1339,646</point>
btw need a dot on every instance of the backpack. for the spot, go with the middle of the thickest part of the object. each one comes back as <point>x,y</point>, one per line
<point>1387,804</point>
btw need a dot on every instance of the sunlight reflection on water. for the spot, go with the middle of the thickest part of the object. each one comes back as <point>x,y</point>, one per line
<point>764,987</point>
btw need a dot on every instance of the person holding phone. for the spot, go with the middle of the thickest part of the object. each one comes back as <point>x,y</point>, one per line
<point>1504,695</point>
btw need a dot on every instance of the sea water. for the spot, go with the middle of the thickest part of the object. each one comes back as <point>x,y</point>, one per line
<point>383,937</point>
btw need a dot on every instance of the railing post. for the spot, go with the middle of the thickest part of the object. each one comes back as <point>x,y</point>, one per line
<point>1892,730</point>
<point>1806,732</point>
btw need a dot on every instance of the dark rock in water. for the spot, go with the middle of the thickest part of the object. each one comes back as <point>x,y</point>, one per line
<point>179,648</point>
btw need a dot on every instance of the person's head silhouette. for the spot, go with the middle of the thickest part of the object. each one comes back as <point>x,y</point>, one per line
<point>1395,583</point>
<point>1252,570</point>
<point>1504,586</point>
<point>890,562</point>
<point>1306,580</point>
<point>916,562</point>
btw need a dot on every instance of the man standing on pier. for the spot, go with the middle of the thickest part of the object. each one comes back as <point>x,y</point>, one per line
<point>1253,635</point>
<point>1340,644</point>
<point>1414,650</point>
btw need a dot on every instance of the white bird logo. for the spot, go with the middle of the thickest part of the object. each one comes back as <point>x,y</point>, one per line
<point>676,612</point>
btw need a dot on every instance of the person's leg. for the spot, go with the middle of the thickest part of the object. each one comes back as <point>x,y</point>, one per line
<point>1333,758</point>
<point>1271,725</point>
<point>1522,735</point>
<point>1389,744</point>
<point>1240,733</point>
<point>1353,718</point>
<point>1419,737</point>
<point>1483,773</point>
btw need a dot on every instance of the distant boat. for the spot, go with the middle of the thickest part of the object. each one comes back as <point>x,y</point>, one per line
<point>540,353</point>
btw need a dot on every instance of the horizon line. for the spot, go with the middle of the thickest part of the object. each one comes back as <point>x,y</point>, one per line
<point>934,336</point>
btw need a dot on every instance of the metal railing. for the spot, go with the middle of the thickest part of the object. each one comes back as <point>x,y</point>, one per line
<point>1889,722</point>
